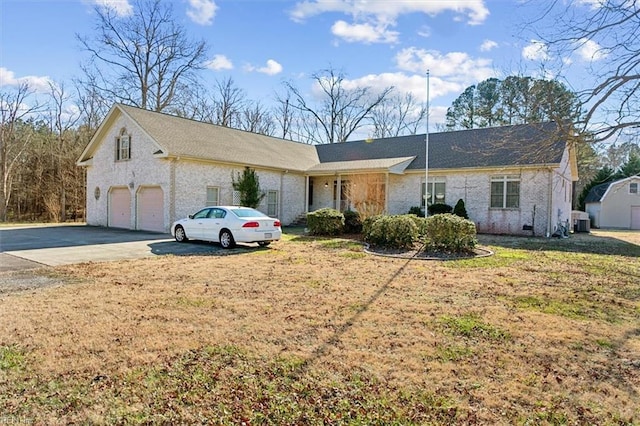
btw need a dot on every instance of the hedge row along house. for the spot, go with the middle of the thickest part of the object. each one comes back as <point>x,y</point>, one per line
<point>146,169</point>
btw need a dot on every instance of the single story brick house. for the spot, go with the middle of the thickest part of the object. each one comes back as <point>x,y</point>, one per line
<point>146,169</point>
<point>615,204</point>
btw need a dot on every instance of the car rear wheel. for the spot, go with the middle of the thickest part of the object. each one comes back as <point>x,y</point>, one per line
<point>181,236</point>
<point>264,243</point>
<point>226,239</point>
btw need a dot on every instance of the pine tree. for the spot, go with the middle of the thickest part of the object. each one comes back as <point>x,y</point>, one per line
<point>248,184</point>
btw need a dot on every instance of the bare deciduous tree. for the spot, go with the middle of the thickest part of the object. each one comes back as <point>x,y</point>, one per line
<point>340,111</point>
<point>13,142</point>
<point>144,59</point>
<point>256,118</point>
<point>61,122</point>
<point>608,29</point>
<point>398,116</point>
<point>228,101</point>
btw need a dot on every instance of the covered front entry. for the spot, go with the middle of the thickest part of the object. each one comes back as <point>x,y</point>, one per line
<point>151,209</point>
<point>120,207</point>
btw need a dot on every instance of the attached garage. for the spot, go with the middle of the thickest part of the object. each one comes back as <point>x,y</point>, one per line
<point>120,207</point>
<point>151,209</point>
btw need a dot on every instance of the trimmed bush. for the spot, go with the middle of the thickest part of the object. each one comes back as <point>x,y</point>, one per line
<point>398,231</point>
<point>352,222</point>
<point>416,210</point>
<point>439,208</point>
<point>325,222</point>
<point>450,233</point>
<point>460,210</point>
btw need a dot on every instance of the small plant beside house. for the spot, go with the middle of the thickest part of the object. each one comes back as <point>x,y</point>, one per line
<point>248,185</point>
<point>460,210</point>
<point>416,210</point>
<point>439,208</point>
<point>325,222</point>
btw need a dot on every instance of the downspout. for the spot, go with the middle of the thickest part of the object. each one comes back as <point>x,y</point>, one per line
<point>172,190</point>
<point>550,204</point>
<point>280,211</point>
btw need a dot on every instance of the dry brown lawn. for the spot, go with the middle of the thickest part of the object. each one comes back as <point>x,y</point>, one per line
<point>315,331</point>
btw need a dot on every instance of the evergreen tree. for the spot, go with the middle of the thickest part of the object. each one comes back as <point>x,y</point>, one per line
<point>604,175</point>
<point>460,210</point>
<point>631,167</point>
<point>248,184</point>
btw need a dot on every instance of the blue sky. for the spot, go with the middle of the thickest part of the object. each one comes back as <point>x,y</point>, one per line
<point>261,43</point>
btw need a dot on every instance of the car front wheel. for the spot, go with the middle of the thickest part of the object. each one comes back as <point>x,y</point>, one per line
<point>181,236</point>
<point>226,239</point>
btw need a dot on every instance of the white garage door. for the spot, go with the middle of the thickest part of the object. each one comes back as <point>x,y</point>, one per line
<point>120,208</point>
<point>635,217</point>
<point>151,209</point>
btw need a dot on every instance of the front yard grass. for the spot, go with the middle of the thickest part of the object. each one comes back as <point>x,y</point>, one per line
<point>315,331</point>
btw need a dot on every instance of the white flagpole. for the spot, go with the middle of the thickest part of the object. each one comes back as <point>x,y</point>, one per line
<point>426,155</point>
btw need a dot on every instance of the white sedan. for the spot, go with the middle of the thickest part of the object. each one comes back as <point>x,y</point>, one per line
<point>227,225</point>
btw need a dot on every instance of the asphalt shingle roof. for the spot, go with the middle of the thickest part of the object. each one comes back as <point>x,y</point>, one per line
<point>194,139</point>
<point>526,144</point>
<point>595,193</point>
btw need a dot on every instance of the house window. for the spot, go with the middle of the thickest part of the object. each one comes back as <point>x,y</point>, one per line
<point>123,146</point>
<point>436,192</point>
<point>213,196</point>
<point>633,188</point>
<point>272,203</point>
<point>505,192</point>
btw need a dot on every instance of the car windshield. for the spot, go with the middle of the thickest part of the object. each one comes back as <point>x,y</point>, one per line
<point>247,212</point>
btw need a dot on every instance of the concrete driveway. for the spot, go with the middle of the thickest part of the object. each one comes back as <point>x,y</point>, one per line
<point>26,247</point>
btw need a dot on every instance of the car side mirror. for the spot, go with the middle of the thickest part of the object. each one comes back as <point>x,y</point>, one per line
<point>190,216</point>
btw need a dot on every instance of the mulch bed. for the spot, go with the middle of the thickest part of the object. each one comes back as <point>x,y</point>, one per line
<point>417,253</point>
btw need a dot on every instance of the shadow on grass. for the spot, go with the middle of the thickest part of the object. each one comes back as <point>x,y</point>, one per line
<point>324,348</point>
<point>575,243</point>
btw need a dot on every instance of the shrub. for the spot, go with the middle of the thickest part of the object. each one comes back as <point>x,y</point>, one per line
<point>439,208</point>
<point>460,210</point>
<point>451,233</point>
<point>325,222</point>
<point>391,231</point>
<point>352,222</point>
<point>416,210</point>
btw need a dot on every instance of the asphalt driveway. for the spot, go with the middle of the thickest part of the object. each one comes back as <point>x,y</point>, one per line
<point>27,247</point>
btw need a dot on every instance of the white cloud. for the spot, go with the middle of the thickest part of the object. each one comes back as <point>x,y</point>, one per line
<point>271,68</point>
<point>37,83</point>
<point>218,63</point>
<point>202,12</point>
<point>589,50</point>
<point>474,11</point>
<point>120,7</point>
<point>488,45</point>
<point>457,67</point>
<point>366,33</point>
<point>536,51</point>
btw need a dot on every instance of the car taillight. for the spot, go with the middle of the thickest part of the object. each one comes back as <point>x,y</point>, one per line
<point>251,225</point>
<point>276,223</point>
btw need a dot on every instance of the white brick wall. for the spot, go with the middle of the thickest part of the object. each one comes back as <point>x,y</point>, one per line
<point>191,179</point>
